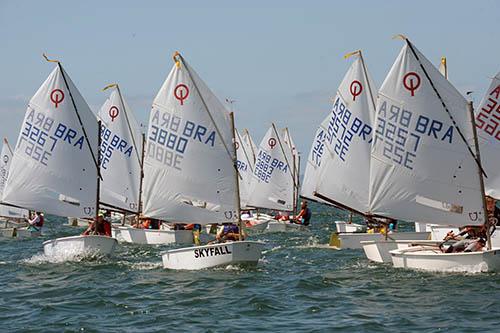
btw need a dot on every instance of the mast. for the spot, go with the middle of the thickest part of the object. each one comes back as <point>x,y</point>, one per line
<point>481,178</point>
<point>141,181</point>
<point>238,199</point>
<point>98,192</point>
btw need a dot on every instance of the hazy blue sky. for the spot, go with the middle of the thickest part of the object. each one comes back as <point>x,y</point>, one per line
<point>280,60</point>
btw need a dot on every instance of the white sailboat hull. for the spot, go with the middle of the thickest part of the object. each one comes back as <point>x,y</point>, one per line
<point>284,226</point>
<point>79,245</point>
<point>19,233</point>
<point>245,253</point>
<point>352,240</point>
<point>154,236</point>
<point>432,259</point>
<point>343,226</point>
<point>378,251</point>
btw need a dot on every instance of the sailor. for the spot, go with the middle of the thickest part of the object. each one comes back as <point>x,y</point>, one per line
<point>228,232</point>
<point>493,211</point>
<point>304,216</point>
<point>36,223</point>
<point>100,226</point>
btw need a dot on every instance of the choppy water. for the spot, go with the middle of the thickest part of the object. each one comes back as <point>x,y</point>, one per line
<point>300,285</point>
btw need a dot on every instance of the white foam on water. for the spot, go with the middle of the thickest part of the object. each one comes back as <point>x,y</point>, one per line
<point>145,266</point>
<point>276,248</point>
<point>61,257</point>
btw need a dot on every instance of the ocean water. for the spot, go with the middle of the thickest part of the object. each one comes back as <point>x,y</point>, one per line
<point>300,285</point>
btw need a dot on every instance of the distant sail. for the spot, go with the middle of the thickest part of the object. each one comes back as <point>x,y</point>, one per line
<point>246,164</point>
<point>121,150</point>
<point>189,166</point>
<point>421,168</point>
<point>54,168</point>
<point>272,183</point>
<point>5,160</point>
<point>311,174</point>
<point>488,130</point>
<point>344,174</point>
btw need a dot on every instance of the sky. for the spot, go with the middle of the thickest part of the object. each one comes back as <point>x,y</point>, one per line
<point>280,61</point>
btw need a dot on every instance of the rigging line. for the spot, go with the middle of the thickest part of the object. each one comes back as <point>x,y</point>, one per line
<point>478,163</point>
<point>208,111</point>
<point>96,164</point>
<point>251,146</point>
<point>128,124</point>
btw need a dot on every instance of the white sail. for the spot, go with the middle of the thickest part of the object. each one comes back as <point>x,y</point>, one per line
<point>188,167</point>
<point>345,165</point>
<point>488,131</point>
<point>6,158</point>
<point>313,164</point>
<point>121,150</point>
<point>421,168</point>
<point>246,137</point>
<point>245,163</point>
<point>294,163</point>
<point>252,148</point>
<point>272,183</point>
<point>53,168</point>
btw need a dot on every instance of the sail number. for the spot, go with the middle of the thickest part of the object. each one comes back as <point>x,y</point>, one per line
<point>265,166</point>
<point>400,134</point>
<point>489,114</point>
<point>342,128</point>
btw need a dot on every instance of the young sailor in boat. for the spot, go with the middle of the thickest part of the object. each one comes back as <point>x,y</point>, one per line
<point>101,226</point>
<point>304,216</point>
<point>467,240</point>
<point>36,223</point>
<point>493,211</point>
<point>228,232</point>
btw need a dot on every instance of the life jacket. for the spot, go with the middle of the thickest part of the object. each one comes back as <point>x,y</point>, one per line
<point>307,216</point>
<point>40,221</point>
<point>107,228</point>
<point>231,228</point>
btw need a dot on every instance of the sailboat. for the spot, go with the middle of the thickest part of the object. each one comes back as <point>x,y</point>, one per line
<point>190,169</point>
<point>343,169</point>
<point>246,159</point>
<point>435,174</point>
<point>294,164</point>
<point>12,219</point>
<point>55,167</point>
<point>122,149</point>
<point>272,185</point>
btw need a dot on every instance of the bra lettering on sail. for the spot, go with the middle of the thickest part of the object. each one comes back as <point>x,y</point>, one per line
<point>272,142</point>
<point>57,96</point>
<point>411,82</point>
<point>356,88</point>
<point>113,112</point>
<point>181,92</point>
<point>5,158</point>
<point>237,145</point>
